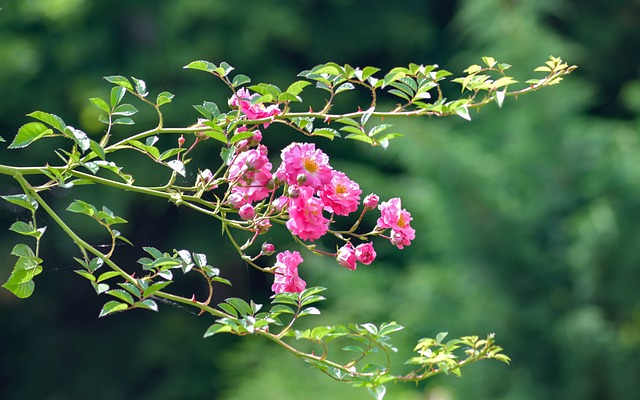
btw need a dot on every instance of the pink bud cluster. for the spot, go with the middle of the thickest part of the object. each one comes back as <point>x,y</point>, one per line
<point>313,194</point>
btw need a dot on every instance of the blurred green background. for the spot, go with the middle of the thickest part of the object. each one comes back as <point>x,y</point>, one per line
<point>527,218</point>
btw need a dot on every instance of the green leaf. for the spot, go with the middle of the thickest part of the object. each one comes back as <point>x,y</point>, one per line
<point>120,81</point>
<point>281,309</point>
<point>326,132</point>
<point>97,149</point>
<point>151,290</point>
<point>378,129</point>
<point>117,93</point>
<point>125,110</point>
<point>242,306</point>
<point>463,112</point>
<point>441,336</point>
<point>85,274</point>
<point>22,250</point>
<point>239,80</point>
<point>95,264</point>
<point>344,87</point>
<point>123,121</point>
<point>22,200</point>
<point>82,207</point>
<point>100,104</point>
<point>216,328</point>
<point>311,299</point>
<point>121,295</point>
<point>309,311</point>
<point>164,98</point>
<point>111,307</point>
<point>19,286</point>
<point>353,348</point>
<point>107,275</point>
<point>29,133</point>
<point>50,119</point>
<point>296,87</point>
<point>202,66</point>
<point>490,61</point>
<point>78,136</point>
<point>141,87</point>
<point>394,75</point>
<point>228,309</point>
<point>26,229</point>
<point>147,304</point>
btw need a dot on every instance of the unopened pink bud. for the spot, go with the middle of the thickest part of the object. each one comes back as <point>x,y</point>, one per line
<point>371,201</point>
<point>268,249</point>
<point>181,141</point>
<point>247,212</point>
<point>236,200</point>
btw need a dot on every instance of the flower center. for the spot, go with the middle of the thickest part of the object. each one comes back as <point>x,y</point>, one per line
<point>341,189</point>
<point>310,165</point>
<point>401,222</point>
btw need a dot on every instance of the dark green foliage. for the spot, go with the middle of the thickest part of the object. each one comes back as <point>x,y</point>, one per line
<point>526,218</point>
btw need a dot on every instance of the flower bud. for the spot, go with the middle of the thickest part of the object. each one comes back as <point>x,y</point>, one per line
<point>205,180</point>
<point>263,226</point>
<point>371,201</point>
<point>301,179</point>
<point>247,212</point>
<point>236,200</point>
<point>294,192</point>
<point>181,141</point>
<point>268,249</point>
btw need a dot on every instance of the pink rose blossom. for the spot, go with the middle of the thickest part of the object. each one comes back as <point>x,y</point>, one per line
<point>304,160</point>
<point>395,217</point>
<point>371,201</point>
<point>346,256</point>
<point>250,174</point>
<point>365,253</point>
<point>342,195</point>
<point>244,100</point>
<point>286,273</point>
<point>305,216</point>
<point>247,212</point>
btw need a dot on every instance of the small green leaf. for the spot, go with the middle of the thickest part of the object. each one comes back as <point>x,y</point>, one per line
<point>296,87</point>
<point>117,93</point>
<point>22,250</point>
<point>29,133</point>
<point>217,328</point>
<point>242,306</point>
<point>100,104</point>
<point>22,200</point>
<point>85,274</point>
<point>123,121</point>
<point>120,81</point>
<point>111,307</point>
<point>151,290</point>
<point>147,304</point>
<point>107,275</point>
<point>240,80</point>
<point>490,61</point>
<point>228,309</point>
<point>78,136</point>
<point>353,348</point>
<point>141,87</point>
<point>125,110</point>
<point>326,132</point>
<point>82,207</point>
<point>26,229</point>
<point>202,66</point>
<point>164,98</point>
<point>121,295</point>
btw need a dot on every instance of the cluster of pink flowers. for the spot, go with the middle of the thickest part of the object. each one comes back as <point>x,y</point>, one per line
<point>245,101</point>
<point>286,271</point>
<point>311,189</point>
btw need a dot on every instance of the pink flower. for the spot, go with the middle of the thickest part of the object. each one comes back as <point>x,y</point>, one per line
<point>303,165</point>
<point>305,216</point>
<point>205,180</point>
<point>393,216</point>
<point>342,195</point>
<point>346,256</point>
<point>365,253</point>
<point>244,100</point>
<point>251,141</point>
<point>247,212</point>
<point>250,174</point>
<point>286,274</point>
<point>371,201</point>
